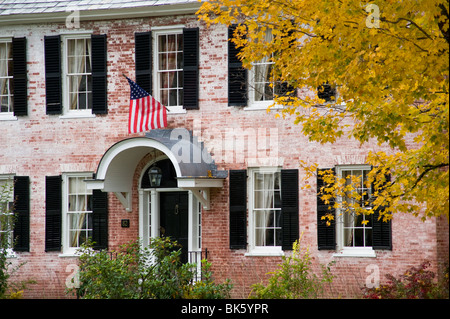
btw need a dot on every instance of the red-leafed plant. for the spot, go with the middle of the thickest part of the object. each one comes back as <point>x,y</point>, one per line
<point>415,283</point>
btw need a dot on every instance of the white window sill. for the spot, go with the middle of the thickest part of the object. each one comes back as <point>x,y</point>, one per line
<point>262,106</point>
<point>70,253</point>
<point>356,252</point>
<point>176,110</point>
<point>10,253</point>
<point>265,252</point>
<point>8,117</point>
<point>78,115</point>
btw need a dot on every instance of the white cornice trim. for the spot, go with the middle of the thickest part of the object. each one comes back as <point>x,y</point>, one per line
<point>104,14</point>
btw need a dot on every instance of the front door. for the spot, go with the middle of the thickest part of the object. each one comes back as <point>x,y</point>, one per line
<point>174,219</point>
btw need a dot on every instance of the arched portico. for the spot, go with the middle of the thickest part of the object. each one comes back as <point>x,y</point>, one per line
<point>195,170</point>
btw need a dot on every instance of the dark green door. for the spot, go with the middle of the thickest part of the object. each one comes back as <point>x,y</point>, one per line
<point>174,219</point>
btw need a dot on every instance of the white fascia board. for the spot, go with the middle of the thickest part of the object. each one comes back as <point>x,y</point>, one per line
<point>104,14</point>
<point>199,182</point>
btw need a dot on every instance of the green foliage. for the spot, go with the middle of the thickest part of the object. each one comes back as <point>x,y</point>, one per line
<point>415,283</point>
<point>9,290</point>
<point>294,279</point>
<point>207,288</point>
<point>133,272</point>
<point>6,219</point>
<point>389,63</point>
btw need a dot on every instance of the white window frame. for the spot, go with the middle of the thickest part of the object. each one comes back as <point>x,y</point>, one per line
<point>342,250</point>
<point>8,180</point>
<point>67,112</point>
<point>156,32</point>
<point>67,250</point>
<point>254,250</point>
<point>258,105</point>
<point>8,116</point>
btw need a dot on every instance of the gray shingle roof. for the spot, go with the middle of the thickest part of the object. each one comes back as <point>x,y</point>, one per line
<point>13,7</point>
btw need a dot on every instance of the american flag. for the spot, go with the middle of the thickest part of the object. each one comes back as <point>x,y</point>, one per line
<point>146,113</point>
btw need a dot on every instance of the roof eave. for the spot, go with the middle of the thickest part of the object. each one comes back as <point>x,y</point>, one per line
<point>102,14</point>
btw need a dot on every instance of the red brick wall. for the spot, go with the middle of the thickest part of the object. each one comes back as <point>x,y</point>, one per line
<point>39,145</point>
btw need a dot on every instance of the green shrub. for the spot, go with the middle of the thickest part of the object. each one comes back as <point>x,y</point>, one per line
<point>8,289</point>
<point>207,288</point>
<point>294,279</point>
<point>133,272</point>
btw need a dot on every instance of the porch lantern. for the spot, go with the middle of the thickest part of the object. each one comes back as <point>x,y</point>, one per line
<point>155,175</point>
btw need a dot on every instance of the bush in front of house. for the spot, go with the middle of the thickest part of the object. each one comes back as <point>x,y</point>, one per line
<point>415,283</point>
<point>294,279</point>
<point>134,272</point>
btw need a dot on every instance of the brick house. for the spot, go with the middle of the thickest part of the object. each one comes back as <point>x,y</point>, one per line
<point>231,182</point>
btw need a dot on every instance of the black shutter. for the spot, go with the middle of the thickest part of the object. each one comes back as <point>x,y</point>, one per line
<point>237,75</point>
<point>326,235</point>
<point>52,46</point>
<point>190,68</point>
<point>238,209</point>
<point>99,82</point>
<point>283,88</point>
<point>100,219</point>
<point>53,211</point>
<point>381,231</point>
<point>143,60</point>
<point>20,76</point>
<point>289,207</point>
<point>326,92</point>
<point>22,213</point>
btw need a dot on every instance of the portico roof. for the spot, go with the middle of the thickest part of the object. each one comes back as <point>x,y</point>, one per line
<point>194,166</point>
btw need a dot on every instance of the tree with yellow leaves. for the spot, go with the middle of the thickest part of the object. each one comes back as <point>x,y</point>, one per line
<point>379,71</point>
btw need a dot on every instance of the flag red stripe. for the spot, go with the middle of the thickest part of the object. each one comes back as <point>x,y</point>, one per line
<point>136,116</point>
<point>158,114</point>
<point>153,114</point>
<point>164,116</point>
<point>142,110</point>
<point>147,112</point>
<point>130,114</point>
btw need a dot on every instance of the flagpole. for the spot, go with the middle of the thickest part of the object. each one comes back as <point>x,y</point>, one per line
<point>147,92</point>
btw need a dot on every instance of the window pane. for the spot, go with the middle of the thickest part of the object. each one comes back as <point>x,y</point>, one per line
<point>180,97</point>
<point>358,241</point>
<point>179,60</point>
<point>82,103</point>
<point>162,43</point>
<point>163,61</point>
<point>266,208</point>
<point>357,229</point>
<point>368,237</point>
<point>170,65</point>
<point>172,61</point>
<point>164,97</point>
<point>259,199</point>
<point>79,73</point>
<point>164,80</point>
<point>348,237</point>
<point>259,179</point>
<point>277,199</point>
<point>6,79</point>
<point>79,217</point>
<point>259,237</point>
<point>171,43</point>
<point>173,97</point>
<point>270,237</point>
<point>173,79</point>
<point>180,42</point>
